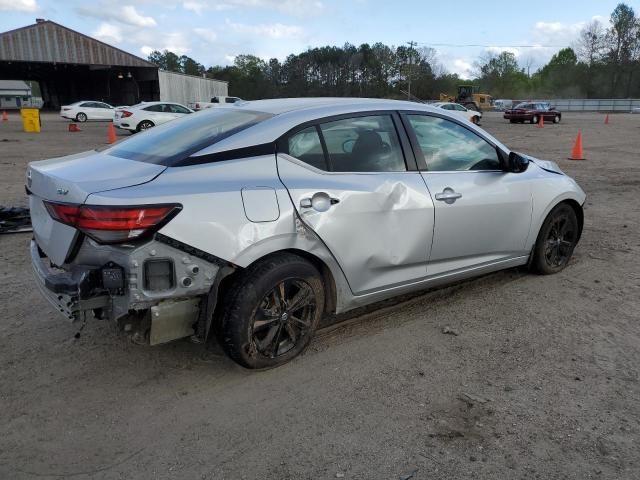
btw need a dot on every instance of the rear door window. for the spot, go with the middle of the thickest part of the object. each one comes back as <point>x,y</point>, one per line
<point>154,108</point>
<point>178,108</point>
<point>363,144</point>
<point>307,146</point>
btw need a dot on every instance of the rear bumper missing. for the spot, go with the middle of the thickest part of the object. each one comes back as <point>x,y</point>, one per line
<point>64,289</point>
<point>111,282</point>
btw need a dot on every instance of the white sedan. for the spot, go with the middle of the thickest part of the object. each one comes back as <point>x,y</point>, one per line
<point>87,110</point>
<point>471,115</point>
<point>148,114</point>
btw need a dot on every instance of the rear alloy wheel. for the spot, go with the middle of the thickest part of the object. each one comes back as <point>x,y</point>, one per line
<point>81,117</point>
<point>145,125</point>
<point>556,241</point>
<point>272,311</point>
<point>534,119</point>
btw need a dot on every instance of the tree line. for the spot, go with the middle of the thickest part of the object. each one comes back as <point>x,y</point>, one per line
<point>604,62</point>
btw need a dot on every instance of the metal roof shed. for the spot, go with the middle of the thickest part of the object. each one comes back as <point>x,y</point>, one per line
<point>71,66</point>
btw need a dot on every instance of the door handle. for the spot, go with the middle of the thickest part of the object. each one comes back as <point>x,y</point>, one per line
<point>320,201</point>
<point>448,195</point>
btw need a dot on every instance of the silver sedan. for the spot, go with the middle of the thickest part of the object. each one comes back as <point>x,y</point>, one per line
<point>250,222</point>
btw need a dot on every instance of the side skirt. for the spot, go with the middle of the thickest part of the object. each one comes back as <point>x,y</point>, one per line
<point>430,282</point>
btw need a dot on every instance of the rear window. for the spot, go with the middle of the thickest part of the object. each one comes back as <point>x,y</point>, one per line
<point>172,142</point>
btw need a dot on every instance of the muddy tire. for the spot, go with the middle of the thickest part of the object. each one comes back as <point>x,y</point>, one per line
<point>556,240</point>
<point>272,311</point>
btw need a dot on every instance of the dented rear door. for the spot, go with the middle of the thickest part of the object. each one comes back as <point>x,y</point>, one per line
<point>378,225</point>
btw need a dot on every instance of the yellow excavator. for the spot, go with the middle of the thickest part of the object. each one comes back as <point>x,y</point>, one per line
<point>469,97</point>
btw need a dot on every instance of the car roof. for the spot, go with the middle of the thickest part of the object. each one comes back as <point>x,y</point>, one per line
<point>287,105</point>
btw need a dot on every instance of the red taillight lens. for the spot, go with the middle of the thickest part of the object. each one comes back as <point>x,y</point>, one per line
<point>125,114</point>
<point>108,224</point>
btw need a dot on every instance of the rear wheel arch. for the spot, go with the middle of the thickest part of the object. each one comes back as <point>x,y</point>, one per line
<point>230,279</point>
<point>244,303</point>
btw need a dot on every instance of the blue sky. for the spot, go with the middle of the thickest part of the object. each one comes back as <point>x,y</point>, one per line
<point>213,32</point>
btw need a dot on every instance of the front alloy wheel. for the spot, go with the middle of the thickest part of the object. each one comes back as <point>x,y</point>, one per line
<point>272,311</point>
<point>557,240</point>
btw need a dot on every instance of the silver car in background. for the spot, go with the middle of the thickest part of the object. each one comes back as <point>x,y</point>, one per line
<point>250,222</point>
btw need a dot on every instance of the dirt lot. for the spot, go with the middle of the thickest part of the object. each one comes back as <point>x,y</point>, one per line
<point>541,381</point>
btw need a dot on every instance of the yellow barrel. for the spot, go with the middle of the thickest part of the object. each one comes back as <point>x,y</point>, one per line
<point>30,119</point>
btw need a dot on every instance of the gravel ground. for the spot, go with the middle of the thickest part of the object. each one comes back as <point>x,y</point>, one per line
<point>540,382</point>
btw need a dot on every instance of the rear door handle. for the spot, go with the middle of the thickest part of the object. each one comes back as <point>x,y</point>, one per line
<point>448,195</point>
<point>320,201</point>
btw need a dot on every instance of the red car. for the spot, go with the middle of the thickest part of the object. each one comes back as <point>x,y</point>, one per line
<point>531,112</point>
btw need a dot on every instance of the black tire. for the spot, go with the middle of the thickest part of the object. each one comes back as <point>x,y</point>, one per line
<point>81,117</point>
<point>145,125</point>
<point>556,240</point>
<point>475,120</point>
<point>256,297</point>
<point>534,119</point>
<point>512,121</point>
<point>557,119</point>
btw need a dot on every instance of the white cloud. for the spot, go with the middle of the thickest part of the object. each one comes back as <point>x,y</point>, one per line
<point>555,33</point>
<point>18,5</point>
<point>291,7</point>
<point>196,7</point>
<point>275,30</point>
<point>463,68</point>
<point>206,34</point>
<point>499,50</point>
<point>175,42</point>
<point>127,15</point>
<point>108,33</point>
<point>132,17</point>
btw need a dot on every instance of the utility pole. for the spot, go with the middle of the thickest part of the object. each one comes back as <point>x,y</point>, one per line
<point>410,71</point>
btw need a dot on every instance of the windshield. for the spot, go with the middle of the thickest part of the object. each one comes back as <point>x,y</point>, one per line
<point>172,142</point>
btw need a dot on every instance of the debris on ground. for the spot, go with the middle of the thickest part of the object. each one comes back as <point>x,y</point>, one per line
<point>15,220</point>
<point>471,399</point>
<point>450,331</point>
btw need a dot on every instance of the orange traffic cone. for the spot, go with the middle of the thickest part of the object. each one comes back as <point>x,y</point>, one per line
<point>112,134</point>
<point>577,153</point>
<point>73,127</point>
<point>606,119</point>
<point>5,116</point>
<point>541,122</point>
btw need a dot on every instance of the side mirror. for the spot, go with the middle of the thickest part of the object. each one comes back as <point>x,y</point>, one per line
<point>517,163</point>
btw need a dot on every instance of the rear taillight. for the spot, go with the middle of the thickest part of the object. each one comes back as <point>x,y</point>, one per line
<point>125,114</point>
<point>107,224</point>
<point>65,109</point>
